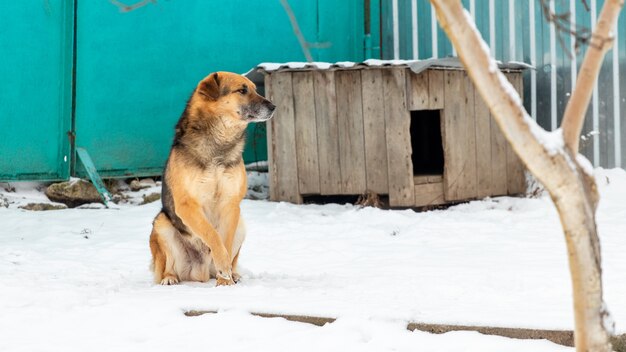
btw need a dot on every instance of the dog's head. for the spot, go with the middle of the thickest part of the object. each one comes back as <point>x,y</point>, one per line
<point>232,95</point>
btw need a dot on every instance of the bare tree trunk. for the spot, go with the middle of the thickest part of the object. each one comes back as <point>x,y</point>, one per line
<point>553,161</point>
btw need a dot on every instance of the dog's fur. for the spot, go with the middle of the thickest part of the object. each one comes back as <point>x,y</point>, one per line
<point>199,232</point>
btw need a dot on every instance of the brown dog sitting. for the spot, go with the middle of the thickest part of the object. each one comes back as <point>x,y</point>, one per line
<point>198,233</point>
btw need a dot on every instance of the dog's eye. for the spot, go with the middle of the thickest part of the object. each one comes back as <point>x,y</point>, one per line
<point>243,90</point>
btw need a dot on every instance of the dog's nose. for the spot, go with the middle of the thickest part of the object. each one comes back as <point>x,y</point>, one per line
<point>271,106</point>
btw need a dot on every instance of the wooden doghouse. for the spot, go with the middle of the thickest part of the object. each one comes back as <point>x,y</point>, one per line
<point>418,132</point>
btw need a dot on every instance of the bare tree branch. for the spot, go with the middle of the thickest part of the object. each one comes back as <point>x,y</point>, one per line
<point>564,25</point>
<point>586,5</point>
<point>127,8</point>
<point>602,41</point>
<point>558,167</point>
<point>296,30</point>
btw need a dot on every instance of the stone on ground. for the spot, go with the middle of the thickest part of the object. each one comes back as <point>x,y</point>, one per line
<point>42,206</point>
<point>73,193</point>
<point>152,197</point>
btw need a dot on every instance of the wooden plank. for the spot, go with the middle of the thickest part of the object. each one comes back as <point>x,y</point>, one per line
<point>429,194</point>
<point>284,155</point>
<point>435,89</point>
<point>423,179</point>
<point>435,178</point>
<point>397,131</point>
<point>516,179</point>
<point>350,123</point>
<point>451,132</point>
<point>374,131</point>
<point>327,132</point>
<point>470,186</point>
<point>483,147</point>
<point>306,133</point>
<point>499,146</point>
<point>271,146</point>
<point>459,139</point>
<point>417,90</point>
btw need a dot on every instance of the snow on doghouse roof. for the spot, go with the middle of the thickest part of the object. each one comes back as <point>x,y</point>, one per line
<point>417,66</point>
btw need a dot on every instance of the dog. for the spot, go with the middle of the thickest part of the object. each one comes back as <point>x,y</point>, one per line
<point>199,232</point>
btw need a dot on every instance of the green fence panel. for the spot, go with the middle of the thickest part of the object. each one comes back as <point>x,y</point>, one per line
<point>85,74</point>
<point>35,89</point>
<point>340,30</point>
<point>135,70</point>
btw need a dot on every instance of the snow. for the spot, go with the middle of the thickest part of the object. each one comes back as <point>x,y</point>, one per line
<point>585,164</point>
<point>521,64</point>
<point>551,140</point>
<point>416,66</point>
<point>78,279</point>
<point>258,185</point>
<point>607,320</point>
<point>257,165</point>
<point>273,66</point>
<point>345,64</point>
<point>377,62</point>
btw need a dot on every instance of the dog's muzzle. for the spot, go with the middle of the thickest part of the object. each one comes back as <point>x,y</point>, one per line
<point>259,112</point>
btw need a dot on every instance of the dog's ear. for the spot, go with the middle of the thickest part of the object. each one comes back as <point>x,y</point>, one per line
<point>210,87</point>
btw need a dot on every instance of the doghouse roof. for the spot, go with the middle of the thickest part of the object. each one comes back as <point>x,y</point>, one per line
<point>256,74</point>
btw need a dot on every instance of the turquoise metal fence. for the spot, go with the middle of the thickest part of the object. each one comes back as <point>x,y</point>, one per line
<point>135,71</point>
<point>35,89</point>
<point>517,31</point>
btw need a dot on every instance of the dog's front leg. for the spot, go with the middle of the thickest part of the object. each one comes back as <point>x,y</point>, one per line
<point>190,212</point>
<point>231,222</point>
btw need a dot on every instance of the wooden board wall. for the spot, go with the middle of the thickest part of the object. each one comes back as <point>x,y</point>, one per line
<point>374,131</point>
<point>459,137</point>
<point>516,178</point>
<point>435,89</point>
<point>327,132</point>
<point>271,145</point>
<point>281,142</point>
<point>470,125</point>
<point>484,176</point>
<point>350,122</point>
<point>417,91</point>
<point>499,146</point>
<point>398,134</point>
<point>329,137</point>
<point>478,159</point>
<point>425,90</point>
<point>306,133</point>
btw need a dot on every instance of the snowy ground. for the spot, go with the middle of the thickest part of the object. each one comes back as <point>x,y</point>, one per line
<point>78,279</point>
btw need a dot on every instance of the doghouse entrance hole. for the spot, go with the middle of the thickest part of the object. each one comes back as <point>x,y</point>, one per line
<point>426,142</point>
<point>330,199</point>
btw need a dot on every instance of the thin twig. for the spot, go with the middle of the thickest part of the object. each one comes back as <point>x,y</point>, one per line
<point>586,5</point>
<point>563,24</point>
<point>296,30</point>
<point>574,115</point>
<point>127,8</point>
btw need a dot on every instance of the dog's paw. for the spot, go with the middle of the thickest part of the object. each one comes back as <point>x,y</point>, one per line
<point>236,277</point>
<point>225,277</point>
<point>169,280</point>
<point>224,282</point>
